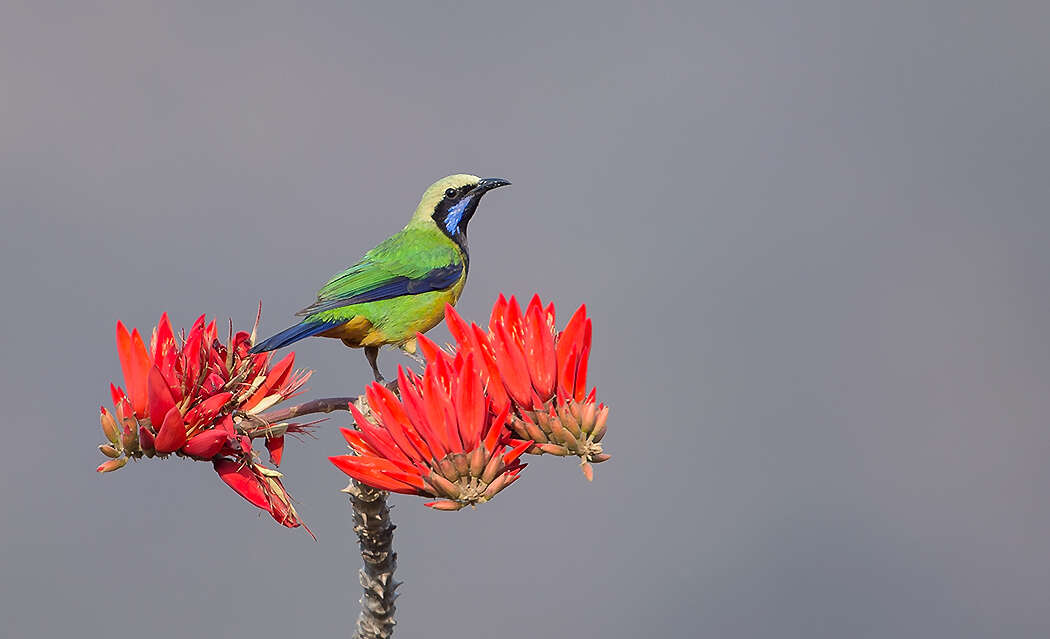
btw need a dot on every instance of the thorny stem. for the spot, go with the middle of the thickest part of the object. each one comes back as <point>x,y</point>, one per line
<point>375,533</point>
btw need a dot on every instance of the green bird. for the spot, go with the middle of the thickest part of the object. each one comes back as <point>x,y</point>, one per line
<point>400,287</point>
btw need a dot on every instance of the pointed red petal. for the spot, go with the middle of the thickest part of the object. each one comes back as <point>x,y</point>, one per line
<point>277,376</point>
<point>418,432</point>
<point>393,417</point>
<point>241,479</point>
<point>190,362</point>
<point>534,303</point>
<point>146,439</point>
<point>203,413</point>
<point>172,432</point>
<point>496,428</point>
<point>358,443</point>
<point>412,479</point>
<point>198,326</point>
<point>431,351</point>
<point>539,352</point>
<point>378,438</point>
<point>210,333</point>
<point>135,364</point>
<point>116,393</point>
<point>412,402</point>
<point>512,367</point>
<point>499,311</point>
<point>569,338</point>
<point>581,375</point>
<point>160,397</point>
<point>207,444</point>
<point>432,408</point>
<point>217,362</point>
<point>276,447</point>
<point>516,452</point>
<point>378,473</point>
<point>440,411</point>
<point>165,351</point>
<point>515,326</point>
<point>124,350</point>
<point>359,417</point>
<point>470,404</point>
<point>567,375</point>
<point>494,385</point>
<point>457,326</point>
<point>226,424</point>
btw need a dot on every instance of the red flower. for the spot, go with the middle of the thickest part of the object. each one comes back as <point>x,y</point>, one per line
<point>540,373</point>
<point>261,486</point>
<point>443,438</point>
<point>199,397</point>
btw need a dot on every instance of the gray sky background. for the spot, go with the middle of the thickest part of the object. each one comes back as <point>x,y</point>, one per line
<point>812,235</point>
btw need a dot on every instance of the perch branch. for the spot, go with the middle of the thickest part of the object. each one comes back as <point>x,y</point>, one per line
<point>322,405</point>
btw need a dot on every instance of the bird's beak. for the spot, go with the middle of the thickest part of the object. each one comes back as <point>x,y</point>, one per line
<point>488,184</point>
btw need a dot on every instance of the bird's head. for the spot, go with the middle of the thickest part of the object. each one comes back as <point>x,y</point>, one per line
<point>451,201</point>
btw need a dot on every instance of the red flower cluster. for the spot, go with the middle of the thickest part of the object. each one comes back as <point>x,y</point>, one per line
<point>200,400</point>
<point>443,438</point>
<point>540,373</point>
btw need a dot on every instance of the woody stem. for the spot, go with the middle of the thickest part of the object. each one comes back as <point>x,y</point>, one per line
<point>322,405</point>
<point>375,533</point>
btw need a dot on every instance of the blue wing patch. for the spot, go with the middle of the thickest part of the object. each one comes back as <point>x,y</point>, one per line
<point>436,280</point>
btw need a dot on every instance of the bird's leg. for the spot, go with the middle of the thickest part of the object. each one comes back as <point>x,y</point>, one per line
<point>372,354</point>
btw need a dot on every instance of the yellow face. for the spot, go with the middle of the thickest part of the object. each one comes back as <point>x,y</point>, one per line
<point>436,192</point>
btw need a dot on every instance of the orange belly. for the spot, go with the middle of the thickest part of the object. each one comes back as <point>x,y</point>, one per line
<point>354,333</point>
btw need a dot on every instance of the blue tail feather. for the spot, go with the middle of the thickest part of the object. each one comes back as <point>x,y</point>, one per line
<point>293,334</point>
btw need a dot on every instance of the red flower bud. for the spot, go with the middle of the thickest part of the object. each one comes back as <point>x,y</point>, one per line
<point>112,465</point>
<point>172,432</point>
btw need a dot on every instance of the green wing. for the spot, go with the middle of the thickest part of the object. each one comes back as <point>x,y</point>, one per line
<point>411,262</point>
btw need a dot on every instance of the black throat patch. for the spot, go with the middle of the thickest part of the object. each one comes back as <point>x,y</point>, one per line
<point>452,214</point>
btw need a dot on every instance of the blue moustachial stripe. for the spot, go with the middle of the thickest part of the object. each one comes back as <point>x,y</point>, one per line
<point>455,214</point>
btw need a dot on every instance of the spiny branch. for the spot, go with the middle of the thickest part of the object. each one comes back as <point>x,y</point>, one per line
<point>375,533</point>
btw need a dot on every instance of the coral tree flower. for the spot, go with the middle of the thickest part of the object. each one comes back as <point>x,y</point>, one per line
<point>540,373</point>
<point>200,399</point>
<point>443,438</point>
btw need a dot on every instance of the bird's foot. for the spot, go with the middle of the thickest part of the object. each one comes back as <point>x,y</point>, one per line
<point>372,355</point>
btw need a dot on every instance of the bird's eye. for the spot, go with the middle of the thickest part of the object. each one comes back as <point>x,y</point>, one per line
<point>450,192</point>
